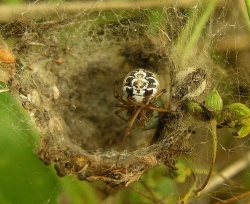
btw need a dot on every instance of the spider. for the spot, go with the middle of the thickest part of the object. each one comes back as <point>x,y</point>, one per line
<point>141,90</point>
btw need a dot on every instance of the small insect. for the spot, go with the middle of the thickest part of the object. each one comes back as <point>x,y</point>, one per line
<point>141,89</point>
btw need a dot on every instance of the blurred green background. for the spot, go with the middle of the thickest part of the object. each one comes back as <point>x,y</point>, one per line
<point>24,178</point>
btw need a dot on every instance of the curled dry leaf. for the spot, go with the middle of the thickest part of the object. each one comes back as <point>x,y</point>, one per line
<point>6,57</point>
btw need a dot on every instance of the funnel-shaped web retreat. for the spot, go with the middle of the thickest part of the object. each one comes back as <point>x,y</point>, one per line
<point>75,75</point>
<point>68,87</point>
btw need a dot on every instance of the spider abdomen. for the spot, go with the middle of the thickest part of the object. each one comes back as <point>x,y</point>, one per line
<point>141,85</point>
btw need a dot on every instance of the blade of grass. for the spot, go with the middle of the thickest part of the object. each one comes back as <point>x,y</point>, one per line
<point>195,26</point>
<point>248,7</point>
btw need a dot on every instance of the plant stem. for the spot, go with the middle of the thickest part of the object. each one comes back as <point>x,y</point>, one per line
<point>11,12</point>
<point>248,7</point>
<point>191,189</point>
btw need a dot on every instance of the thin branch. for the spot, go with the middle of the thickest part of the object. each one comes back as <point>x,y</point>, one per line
<point>149,190</point>
<point>191,190</point>
<point>141,193</point>
<point>38,10</point>
<point>234,198</point>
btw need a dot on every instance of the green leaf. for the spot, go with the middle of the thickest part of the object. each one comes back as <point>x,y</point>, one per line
<point>194,107</point>
<point>182,172</point>
<point>214,102</point>
<point>238,115</point>
<point>24,178</point>
<point>238,111</point>
<point>244,130</point>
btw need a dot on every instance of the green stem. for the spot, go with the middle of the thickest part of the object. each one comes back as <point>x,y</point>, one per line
<point>248,7</point>
<point>187,196</point>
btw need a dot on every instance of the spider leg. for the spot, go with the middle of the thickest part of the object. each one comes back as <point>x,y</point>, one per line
<point>157,96</point>
<point>162,110</point>
<point>120,105</point>
<point>118,96</point>
<point>130,125</point>
<point>132,121</point>
<point>162,92</point>
<point>144,116</point>
<point>119,111</point>
<point>133,103</point>
<point>151,107</point>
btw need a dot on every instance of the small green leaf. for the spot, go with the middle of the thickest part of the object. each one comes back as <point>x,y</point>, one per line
<point>194,107</point>
<point>245,129</point>
<point>238,110</point>
<point>200,111</point>
<point>182,172</point>
<point>237,115</point>
<point>214,102</point>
